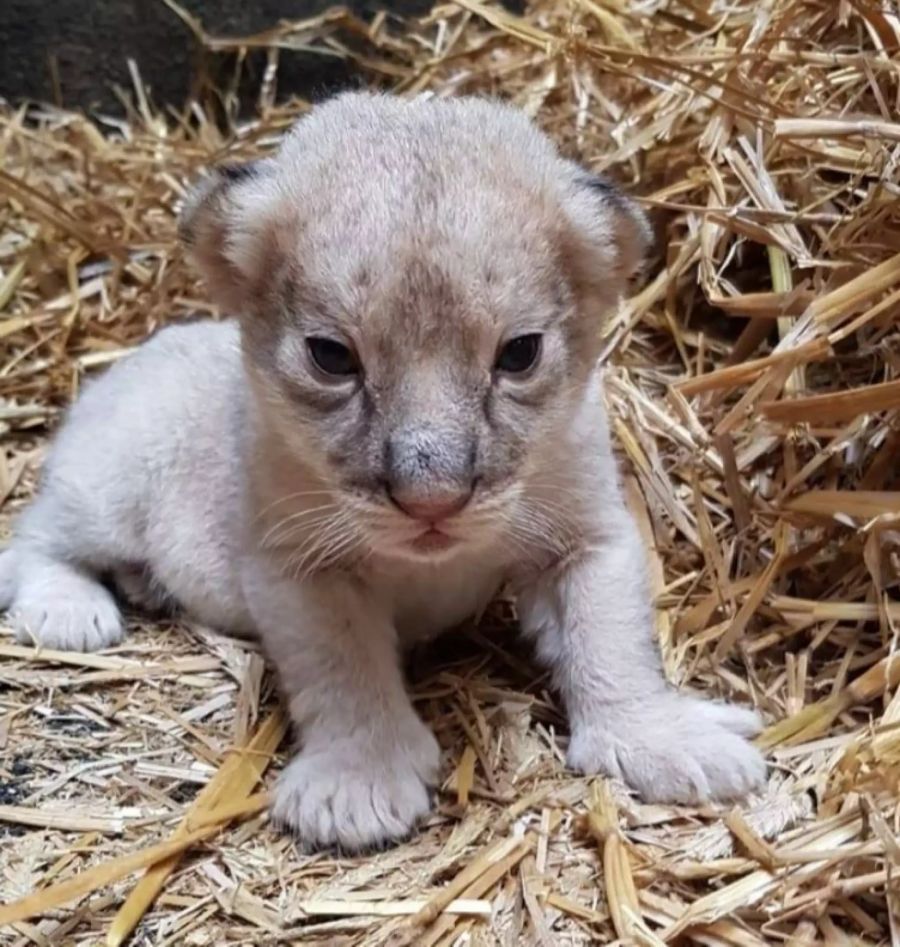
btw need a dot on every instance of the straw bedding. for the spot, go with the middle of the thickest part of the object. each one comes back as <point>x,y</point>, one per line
<point>754,387</point>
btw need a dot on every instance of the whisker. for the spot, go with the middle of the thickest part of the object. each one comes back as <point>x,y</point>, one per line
<point>324,527</point>
<point>296,518</point>
<point>552,533</point>
<point>529,543</point>
<point>292,496</point>
<point>336,529</point>
<point>339,549</point>
<point>302,533</point>
<point>522,542</point>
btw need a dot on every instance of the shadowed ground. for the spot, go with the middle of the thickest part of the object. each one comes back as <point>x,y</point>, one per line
<point>73,52</point>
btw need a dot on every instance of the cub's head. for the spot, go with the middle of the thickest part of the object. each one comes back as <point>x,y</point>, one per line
<point>421,286</point>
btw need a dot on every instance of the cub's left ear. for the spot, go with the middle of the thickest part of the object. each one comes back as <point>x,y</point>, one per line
<point>223,226</point>
<point>632,232</point>
<point>613,235</point>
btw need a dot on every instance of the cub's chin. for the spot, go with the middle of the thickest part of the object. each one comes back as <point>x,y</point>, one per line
<point>429,545</point>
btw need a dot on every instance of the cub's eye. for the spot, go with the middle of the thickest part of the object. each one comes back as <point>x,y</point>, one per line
<point>331,357</point>
<point>519,354</point>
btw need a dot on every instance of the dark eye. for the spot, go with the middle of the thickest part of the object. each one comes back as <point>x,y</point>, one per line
<point>331,357</point>
<point>519,354</point>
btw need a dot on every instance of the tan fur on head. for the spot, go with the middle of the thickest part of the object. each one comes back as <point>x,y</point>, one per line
<point>423,235</point>
<point>352,157</point>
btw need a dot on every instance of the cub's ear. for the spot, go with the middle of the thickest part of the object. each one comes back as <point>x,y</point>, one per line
<point>611,235</point>
<point>631,233</point>
<point>222,226</point>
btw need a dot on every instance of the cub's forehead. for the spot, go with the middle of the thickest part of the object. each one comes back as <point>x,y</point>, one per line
<point>368,133</point>
<point>368,193</point>
<point>464,206</point>
<point>378,168</point>
<point>473,241</point>
<point>404,211</point>
<point>420,299</point>
<point>471,261</point>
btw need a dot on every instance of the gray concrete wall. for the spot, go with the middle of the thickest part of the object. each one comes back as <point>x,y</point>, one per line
<point>87,43</point>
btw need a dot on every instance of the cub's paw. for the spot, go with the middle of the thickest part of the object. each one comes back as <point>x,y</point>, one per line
<point>674,749</point>
<point>82,618</point>
<point>350,795</point>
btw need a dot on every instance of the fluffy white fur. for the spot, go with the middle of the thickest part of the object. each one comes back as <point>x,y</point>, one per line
<point>218,468</point>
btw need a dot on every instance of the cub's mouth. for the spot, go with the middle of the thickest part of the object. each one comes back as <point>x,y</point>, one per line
<point>432,540</point>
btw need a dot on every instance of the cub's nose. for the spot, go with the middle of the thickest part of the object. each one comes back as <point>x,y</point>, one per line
<point>430,470</point>
<point>432,506</point>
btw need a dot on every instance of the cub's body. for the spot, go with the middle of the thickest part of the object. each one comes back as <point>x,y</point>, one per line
<point>406,415</point>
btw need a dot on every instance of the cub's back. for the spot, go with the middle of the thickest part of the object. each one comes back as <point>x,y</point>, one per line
<point>156,430</point>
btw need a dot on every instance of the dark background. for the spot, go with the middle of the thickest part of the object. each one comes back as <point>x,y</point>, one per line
<point>87,43</point>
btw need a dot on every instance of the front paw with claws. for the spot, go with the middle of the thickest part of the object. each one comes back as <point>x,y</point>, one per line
<point>356,794</point>
<point>676,749</point>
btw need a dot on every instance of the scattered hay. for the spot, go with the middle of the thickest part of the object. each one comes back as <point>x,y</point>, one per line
<point>754,391</point>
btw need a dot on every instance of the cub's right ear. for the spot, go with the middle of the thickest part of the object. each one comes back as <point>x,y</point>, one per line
<point>222,227</point>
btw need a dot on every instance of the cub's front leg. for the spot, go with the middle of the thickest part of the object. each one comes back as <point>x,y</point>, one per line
<point>593,622</point>
<point>362,776</point>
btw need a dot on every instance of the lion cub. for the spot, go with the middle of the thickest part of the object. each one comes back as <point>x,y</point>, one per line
<point>405,416</point>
